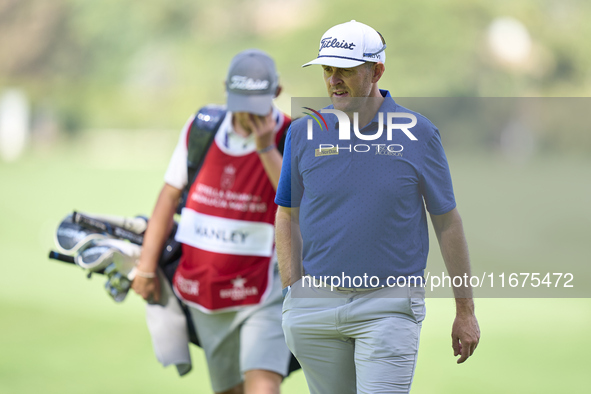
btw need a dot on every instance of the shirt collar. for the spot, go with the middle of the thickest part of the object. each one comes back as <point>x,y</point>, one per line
<point>388,105</point>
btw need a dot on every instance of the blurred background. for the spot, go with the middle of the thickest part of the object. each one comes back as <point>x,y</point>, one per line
<point>93,95</point>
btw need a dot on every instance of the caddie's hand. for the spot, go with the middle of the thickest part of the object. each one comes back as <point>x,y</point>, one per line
<point>262,127</point>
<point>465,335</point>
<point>147,288</point>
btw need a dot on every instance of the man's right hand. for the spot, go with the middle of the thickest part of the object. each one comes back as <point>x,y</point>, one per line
<point>147,288</point>
<point>465,335</point>
<point>159,227</point>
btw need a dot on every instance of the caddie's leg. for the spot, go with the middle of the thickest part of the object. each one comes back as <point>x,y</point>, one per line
<point>262,382</point>
<point>326,357</point>
<point>264,356</point>
<point>234,390</point>
<point>220,339</point>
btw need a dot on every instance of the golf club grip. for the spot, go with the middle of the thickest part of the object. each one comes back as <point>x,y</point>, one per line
<point>61,257</point>
<point>116,231</point>
<point>68,259</point>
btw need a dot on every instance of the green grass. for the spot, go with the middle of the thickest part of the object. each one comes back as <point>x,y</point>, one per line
<point>61,333</point>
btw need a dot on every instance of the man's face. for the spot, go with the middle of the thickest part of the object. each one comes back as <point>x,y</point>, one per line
<point>343,84</point>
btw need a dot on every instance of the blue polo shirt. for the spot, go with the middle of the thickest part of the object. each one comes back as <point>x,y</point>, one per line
<point>362,212</point>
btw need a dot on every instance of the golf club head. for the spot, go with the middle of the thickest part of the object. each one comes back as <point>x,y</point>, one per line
<point>96,257</point>
<point>71,238</point>
<point>125,255</point>
<point>117,285</point>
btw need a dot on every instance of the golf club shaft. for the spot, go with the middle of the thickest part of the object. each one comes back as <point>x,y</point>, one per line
<point>116,231</point>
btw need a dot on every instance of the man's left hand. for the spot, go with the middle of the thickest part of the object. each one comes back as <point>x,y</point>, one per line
<point>465,335</point>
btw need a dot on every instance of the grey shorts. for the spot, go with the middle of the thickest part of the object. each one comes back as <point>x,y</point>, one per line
<point>249,339</point>
<point>363,342</point>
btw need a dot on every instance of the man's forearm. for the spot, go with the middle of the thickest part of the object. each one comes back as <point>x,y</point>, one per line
<point>289,246</point>
<point>272,161</point>
<point>454,249</point>
<point>159,227</point>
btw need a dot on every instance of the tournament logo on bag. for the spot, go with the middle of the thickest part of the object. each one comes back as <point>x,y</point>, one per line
<point>239,292</point>
<point>228,177</point>
<point>187,286</point>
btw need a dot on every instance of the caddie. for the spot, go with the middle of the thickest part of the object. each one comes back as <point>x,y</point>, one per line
<point>352,201</point>
<point>228,270</point>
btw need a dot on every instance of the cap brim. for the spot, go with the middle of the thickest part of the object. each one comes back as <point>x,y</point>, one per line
<point>332,61</point>
<point>258,104</point>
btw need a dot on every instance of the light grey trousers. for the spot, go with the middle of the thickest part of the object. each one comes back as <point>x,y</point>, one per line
<point>354,341</point>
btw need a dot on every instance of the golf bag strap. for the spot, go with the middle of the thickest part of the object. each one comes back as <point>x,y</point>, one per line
<point>201,133</point>
<point>281,144</point>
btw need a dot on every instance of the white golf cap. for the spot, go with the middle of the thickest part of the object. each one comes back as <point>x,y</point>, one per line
<point>350,44</point>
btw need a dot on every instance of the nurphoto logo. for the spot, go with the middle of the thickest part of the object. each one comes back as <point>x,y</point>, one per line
<point>345,132</point>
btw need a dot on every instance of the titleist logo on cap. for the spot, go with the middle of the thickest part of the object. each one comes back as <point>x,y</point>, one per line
<point>240,82</point>
<point>330,42</point>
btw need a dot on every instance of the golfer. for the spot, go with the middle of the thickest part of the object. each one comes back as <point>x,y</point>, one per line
<point>352,205</point>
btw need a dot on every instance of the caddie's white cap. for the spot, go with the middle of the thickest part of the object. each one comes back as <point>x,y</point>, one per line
<point>350,44</point>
